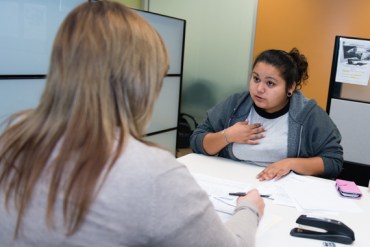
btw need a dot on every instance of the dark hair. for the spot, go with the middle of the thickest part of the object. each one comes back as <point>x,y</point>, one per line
<point>292,66</point>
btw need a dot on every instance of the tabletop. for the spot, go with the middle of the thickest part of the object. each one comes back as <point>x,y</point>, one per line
<point>279,220</point>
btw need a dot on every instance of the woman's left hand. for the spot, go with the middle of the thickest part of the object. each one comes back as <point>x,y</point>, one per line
<point>275,170</point>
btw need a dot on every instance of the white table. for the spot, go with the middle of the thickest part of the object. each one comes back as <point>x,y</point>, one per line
<point>279,220</point>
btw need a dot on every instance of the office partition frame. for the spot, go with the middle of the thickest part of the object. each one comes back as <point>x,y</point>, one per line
<point>25,57</point>
<point>349,103</point>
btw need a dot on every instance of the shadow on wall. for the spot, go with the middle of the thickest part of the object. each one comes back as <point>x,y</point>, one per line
<point>198,98</point>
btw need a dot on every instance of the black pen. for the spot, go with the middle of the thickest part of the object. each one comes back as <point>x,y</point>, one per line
<point>244,194</point>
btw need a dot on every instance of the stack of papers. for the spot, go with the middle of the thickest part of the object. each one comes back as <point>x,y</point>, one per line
<point>306,194</point>
<point>218,191</point>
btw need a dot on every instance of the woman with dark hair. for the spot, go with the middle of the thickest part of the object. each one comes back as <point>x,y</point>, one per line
<point>76,171</point>
<point>273,124</point>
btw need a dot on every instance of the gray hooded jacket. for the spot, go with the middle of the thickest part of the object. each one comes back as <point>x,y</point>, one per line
<point>311,132</point>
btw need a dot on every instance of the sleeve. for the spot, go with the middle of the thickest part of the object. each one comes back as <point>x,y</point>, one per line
<point>244,222</point>
<point>196,139</point>
<point>216,120</point>
<point>324,140</point>
<point>182,215</point>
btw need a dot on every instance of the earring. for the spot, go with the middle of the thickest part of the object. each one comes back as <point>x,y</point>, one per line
<point>289,94</point>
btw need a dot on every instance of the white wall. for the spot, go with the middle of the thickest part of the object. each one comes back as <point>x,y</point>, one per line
<point>218,48</point>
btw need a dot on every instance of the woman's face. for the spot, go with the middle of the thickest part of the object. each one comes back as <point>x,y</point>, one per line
<point>267,88</point>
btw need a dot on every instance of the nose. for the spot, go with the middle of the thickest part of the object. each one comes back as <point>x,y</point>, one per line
<point>260,88</point>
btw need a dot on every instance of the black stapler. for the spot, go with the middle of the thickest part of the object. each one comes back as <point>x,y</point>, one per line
<point>333,230</point>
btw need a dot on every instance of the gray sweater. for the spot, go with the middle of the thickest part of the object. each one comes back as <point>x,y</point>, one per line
<point>148,199</point>
<point>311,132</point>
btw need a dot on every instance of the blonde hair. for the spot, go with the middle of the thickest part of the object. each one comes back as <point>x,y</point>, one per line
<point>106,71</point>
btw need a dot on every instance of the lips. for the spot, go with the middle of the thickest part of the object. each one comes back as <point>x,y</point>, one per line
<point>258,98</point>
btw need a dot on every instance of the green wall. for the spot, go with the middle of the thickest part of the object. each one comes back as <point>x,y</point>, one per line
<point>218,48</point>
<point>136,4</point>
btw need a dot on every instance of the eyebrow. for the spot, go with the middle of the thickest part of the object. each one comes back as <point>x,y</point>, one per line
<point>268,77</point>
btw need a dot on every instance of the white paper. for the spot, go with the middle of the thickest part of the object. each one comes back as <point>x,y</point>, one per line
<point>309,194</point>
<point>353,61</point>
<point>277,193</point>
<point>218,191</point>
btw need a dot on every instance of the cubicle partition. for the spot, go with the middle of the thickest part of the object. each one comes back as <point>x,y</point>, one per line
<point>349,104</point>
<point>27,31</point>
<point>163,126</point>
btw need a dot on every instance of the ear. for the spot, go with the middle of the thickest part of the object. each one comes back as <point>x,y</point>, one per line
<point>292,87</point>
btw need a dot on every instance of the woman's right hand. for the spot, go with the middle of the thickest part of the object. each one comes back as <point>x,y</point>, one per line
<point>245,133</point>
<point>241,132</point>
<point>254,197</point>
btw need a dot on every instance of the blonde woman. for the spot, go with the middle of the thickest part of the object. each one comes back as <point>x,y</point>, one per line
<point>75,171</point>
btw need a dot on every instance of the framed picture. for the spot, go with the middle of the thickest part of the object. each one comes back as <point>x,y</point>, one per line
<point>353,65</point>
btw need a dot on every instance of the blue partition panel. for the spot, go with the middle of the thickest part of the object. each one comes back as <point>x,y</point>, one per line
<point>27,31</point>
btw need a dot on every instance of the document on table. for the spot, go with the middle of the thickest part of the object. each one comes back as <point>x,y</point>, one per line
<point>308,194</point>
<point>218,191</point>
